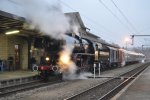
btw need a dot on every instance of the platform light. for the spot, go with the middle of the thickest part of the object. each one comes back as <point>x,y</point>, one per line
<point>12,32</point>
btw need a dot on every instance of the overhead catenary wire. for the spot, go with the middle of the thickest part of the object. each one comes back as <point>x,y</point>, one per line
<point>89,19</point>
<point>117,18</point>
<point>127,20</point>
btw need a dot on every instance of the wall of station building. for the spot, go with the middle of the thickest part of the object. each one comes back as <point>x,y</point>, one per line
<point>8,48</point>
<point>3,47</point>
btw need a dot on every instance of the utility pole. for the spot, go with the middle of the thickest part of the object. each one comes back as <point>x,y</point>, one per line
<point>132,37</point>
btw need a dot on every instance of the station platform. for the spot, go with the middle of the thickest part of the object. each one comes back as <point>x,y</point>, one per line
<point>16,74</point>
<point>139,89</point>
<point>15,77</point>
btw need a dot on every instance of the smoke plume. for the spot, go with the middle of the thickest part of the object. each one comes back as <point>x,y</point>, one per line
<point>68,67</point>
<point>45,16</point>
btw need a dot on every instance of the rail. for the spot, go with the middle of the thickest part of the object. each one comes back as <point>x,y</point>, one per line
<point>10,90</point>
<point>109,88</point>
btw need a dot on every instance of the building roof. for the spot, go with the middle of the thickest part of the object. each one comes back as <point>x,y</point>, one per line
<point>9,21</point>
<point>75,18</point>
<point>93,35</point>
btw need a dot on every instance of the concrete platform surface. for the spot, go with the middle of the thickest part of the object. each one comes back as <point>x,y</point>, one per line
<point>16,74</point>
<point>140,89</point>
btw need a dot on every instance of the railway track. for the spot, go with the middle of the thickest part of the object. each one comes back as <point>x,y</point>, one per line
<point>10,90</point>
<point>109,88</point>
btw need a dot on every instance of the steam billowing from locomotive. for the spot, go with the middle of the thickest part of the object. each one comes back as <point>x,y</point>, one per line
<point>47,17</point>
<point>67,66</point>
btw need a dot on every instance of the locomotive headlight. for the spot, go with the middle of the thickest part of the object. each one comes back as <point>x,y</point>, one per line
<point>47,58</point>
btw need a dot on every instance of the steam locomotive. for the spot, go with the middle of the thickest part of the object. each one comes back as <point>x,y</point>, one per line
<point>56,59</point>
<point>84,54</point>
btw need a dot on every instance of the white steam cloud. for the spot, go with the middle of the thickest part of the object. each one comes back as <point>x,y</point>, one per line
<point>71,74</point>
<point>75,29</point>
<point>45,16</point>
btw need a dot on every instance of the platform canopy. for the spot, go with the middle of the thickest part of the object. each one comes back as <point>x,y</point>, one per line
<point>9,22</point>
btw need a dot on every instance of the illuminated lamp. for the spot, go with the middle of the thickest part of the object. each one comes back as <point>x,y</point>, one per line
<point>12,32</point>
<point>47,58</point>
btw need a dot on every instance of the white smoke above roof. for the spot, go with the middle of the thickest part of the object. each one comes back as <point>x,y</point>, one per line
<point>45,16</point>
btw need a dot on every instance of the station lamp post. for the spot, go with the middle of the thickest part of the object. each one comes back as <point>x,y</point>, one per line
<point>132,37</point>
<point>126,41</point>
